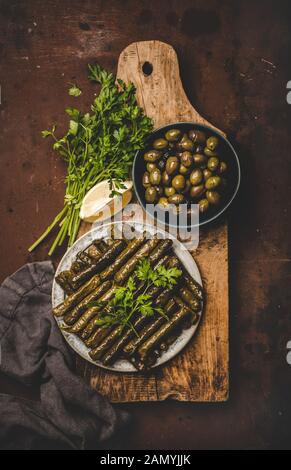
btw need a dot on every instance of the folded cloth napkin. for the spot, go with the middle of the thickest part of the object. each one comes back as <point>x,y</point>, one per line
<point>33,351</point>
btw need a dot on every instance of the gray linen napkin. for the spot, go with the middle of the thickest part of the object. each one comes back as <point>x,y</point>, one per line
<point>33,351</point>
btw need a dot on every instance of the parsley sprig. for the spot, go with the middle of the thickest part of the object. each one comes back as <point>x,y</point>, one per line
<point>98,145</point>
<point>75,91</point>
<point>125,303</point>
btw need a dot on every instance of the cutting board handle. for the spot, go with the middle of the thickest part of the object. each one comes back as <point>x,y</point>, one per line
<point>154,69</point>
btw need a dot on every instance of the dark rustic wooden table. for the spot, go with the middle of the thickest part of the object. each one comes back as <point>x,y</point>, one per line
<point>235,64</point>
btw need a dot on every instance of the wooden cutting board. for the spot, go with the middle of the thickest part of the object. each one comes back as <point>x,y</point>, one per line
<point>200,372</point>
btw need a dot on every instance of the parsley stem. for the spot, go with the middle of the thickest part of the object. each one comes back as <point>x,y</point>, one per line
<point>54,245</point>
<point>48,230</point>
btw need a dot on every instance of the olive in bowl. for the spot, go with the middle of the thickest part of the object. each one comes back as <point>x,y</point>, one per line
<point>189,164</point>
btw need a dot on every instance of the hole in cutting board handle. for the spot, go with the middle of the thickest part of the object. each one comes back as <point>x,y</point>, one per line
<point>147,68</point>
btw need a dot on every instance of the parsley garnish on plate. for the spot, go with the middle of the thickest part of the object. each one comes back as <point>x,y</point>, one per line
<point>126,303</point>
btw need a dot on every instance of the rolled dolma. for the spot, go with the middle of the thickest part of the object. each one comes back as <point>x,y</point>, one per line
<point>97,352</point>
<point>94,252</point>
<point>190,283</point>
<point>163,261</point>
<point>82,261</point>
<point>194,286</point>
<point>101,245</point>
<point>94,322</point>
<point>190,299</point>
<point>84,319</point>
<point>190,320</point>
<point>121,259</point>
<point>123,274</point>
<point>112,354</point>
<point>72,316</point>
<point>64,279</point>
<point>164,296</point>
<point>194,316</point>
<point>165,330</point>
<point>141,324</point>
<point>150,329</point>
<point>73,299</point>
<point>162,248</point>
<point>103,261</point>
<point>84,258</point>
<point>76,267</point>
<point>98,336</point>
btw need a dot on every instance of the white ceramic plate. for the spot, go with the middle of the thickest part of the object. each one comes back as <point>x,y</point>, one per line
<point>122,365</point>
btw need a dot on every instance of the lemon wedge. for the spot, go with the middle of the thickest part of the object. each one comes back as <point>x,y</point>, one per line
<point>98,206</point>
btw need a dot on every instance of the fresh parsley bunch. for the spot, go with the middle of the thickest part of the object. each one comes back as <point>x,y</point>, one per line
<point>125,303</point>
<point>97,146</point>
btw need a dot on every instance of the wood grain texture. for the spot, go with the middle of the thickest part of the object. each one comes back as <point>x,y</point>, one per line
<point>220,49</point>
<point>200,372</point>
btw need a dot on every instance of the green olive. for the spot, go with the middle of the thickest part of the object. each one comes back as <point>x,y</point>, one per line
<point>151,194</point>
<point>196,176</point>
<point>212,143</point>
<point>207,173</point>
<point>186,143</point>
<point>200,160</point>
<point>173,135</point>
<point>172,165</point>
<point>213,197</point>
<point>163,202</point>
<point>183,170</point>
<point>178,182</point>
<point>213,182</point>
<point>187,158</point>
<point>176,199</point>
<point>170,191</point>
<point>187,187</point>
<point>146,180</point>
<point>197,190</point>
<point>160,144</point>
<point>209,153</point>
<point>155,176</point>
<point>197,136</point>
<point>222,167</point>
<point>151,167</point>
<point>166,179</point>
<point>203,205</point>
<point>213,163</point>
<point>152,156</point>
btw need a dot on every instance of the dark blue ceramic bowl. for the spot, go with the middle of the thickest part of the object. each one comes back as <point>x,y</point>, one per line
<point>227,153</point>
